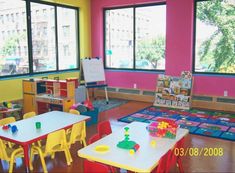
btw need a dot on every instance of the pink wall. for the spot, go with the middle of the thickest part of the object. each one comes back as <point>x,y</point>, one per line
<point>179,43</point>
<point>179,33</point>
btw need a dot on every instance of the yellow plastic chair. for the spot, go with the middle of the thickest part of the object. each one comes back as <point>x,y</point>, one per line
<point>29,115</point>
<point>78,133</point>
<point>56,142</point>
<point>9,155</point>
<point>7,120</point>
<point>73,111</point>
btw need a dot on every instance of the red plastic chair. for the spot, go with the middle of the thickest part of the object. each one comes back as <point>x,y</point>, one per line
<point>95,167</point>
<point>104,128</point>
<point>94,138</point>
<point>175,159</point>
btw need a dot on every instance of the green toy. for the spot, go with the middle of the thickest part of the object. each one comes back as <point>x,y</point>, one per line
<point>126,144</point>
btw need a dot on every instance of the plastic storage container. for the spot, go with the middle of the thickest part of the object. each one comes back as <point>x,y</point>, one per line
<point>165,129</point>
<point>94,116</point>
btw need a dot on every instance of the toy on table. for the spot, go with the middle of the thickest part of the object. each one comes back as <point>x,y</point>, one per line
<point>163,128</point>
<point>38,125</point>
<point>102,148</point>
<point>5,127</point>
<point>14,129</point>
<point>153,143</point>
<point>132,146</point>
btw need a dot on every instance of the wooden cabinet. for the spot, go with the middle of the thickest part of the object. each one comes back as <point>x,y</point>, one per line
<point>43,95</point>
<point>29,87</point>
<point>29,93</point>
<point>29,103</point>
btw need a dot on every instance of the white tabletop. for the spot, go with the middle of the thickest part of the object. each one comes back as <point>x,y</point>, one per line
<point>144,160</point>
<point>50,121</point>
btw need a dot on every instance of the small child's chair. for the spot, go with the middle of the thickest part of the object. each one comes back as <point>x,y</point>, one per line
<point>74,111</point>
<point>29,115</point>
<point>94,138</point>
<point>104,128</point>
<point>7,120</point>
<point>95,167</point>
<point>78,133</point>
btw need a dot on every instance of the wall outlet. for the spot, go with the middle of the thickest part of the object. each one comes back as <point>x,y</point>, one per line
<point>135,86</point>
<point>225,93</point>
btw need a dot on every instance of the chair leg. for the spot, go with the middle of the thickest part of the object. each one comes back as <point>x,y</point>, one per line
<point>44,167</point>
<point>52,155</point>
<point>9,144</point>
<point>11,163</point>
<point>39,152</point>
<point>84,142</point>
<point>39,143</point>
<point>31,161</point>
<point>68,158</point>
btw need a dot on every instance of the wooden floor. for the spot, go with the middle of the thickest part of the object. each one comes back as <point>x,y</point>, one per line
<point>225,163</point>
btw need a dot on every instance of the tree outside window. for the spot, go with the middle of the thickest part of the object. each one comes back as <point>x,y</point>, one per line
<point>215,37</point>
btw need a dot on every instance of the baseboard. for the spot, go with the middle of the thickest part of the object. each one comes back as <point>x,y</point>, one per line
<point>214,102</point>
<point>198,101</point>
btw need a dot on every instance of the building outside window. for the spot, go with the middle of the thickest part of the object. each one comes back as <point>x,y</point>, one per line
<point>15,46</point>
<point>133,38</point>
<point>215,37</point>
<point>11,61</point>
<point>67,35</point>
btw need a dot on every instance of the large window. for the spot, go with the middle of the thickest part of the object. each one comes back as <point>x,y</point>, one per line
<point>37,37</point>
<point>215,37</point>
<point>13,39</point>
<point>67,38</point>
<point>135,37</point>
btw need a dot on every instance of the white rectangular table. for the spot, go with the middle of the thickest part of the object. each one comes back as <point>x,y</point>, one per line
<point>27,132</point>
<point>144,160</point>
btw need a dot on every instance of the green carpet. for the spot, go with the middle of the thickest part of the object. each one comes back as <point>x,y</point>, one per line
<point>103,106</point>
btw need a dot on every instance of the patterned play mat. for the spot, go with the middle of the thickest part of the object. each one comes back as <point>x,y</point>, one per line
<point>200,122</point>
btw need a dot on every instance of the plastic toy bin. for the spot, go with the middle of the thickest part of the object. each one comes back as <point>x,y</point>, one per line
<point>94,116</point>
<point>166,129</point>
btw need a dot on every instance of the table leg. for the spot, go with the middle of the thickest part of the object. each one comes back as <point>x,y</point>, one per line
<point>26,157</point>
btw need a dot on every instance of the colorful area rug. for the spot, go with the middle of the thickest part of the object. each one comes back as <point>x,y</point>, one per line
<point>103,106</point>
<point>200,122</point>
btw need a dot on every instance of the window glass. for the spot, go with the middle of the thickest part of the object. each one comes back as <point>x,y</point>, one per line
<point>119,38</point>
<point>150,37</point>
<point>13,38</point>
<point>43,38</point>
<point>67,38</point>
<point>215,37</point>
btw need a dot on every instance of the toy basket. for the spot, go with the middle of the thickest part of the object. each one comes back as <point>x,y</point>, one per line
<point>165,128</point>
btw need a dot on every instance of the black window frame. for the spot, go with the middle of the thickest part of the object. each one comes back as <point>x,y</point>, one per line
<point>29,37</point>
<point>194,48</point>
<point>134,37</point>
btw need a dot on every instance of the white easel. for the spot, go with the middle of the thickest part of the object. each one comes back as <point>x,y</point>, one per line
<point>94,77</point>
